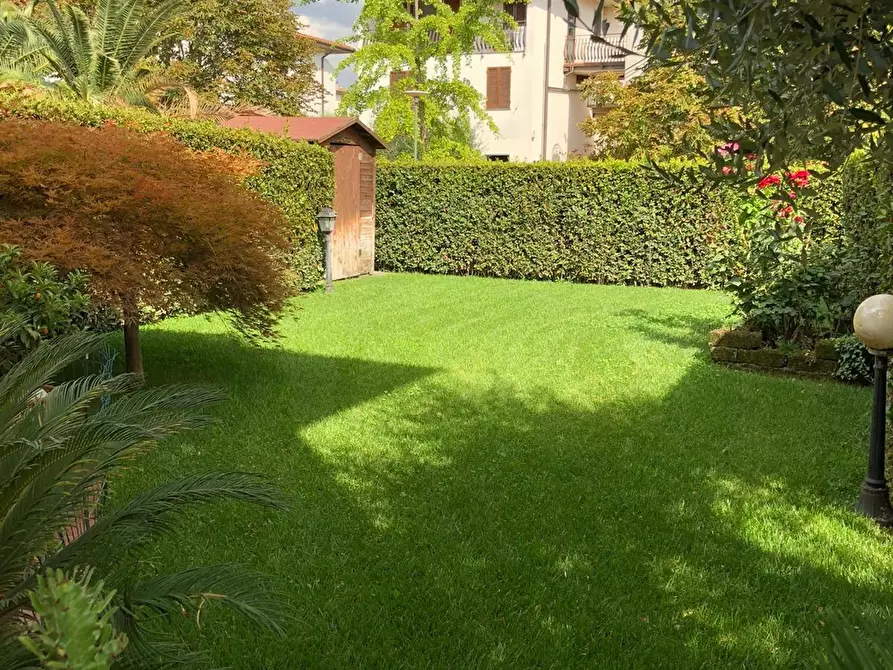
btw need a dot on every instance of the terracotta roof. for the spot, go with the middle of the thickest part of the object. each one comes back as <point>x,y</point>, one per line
<point>311,129</point>
<point>330,46</point>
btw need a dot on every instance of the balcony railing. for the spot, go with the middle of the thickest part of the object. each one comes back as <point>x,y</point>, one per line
<point>581,49</point>
<point>517,39</point>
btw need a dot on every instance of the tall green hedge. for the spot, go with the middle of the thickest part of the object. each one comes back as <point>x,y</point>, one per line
<point>298,177</point>
<point>607,222</point>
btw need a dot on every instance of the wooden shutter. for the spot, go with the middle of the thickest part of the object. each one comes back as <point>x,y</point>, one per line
<point>499,87</point>
<point>518,11</point>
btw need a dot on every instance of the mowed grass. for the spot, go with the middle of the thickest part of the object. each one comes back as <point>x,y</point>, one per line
<point>505,474</point>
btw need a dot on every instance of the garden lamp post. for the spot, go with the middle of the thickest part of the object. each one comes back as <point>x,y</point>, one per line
<point>415,95</point>
<point>326,221</point>
<point>874,327</point>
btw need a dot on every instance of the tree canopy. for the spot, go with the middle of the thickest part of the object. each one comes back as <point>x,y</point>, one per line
<point>246,52</point>
<point>659,114</point>
<point>152,223</point>
<point>812,77</point>
<point>426,53</point>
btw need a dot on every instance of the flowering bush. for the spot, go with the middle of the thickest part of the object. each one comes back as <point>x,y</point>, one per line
<point>786,280</point>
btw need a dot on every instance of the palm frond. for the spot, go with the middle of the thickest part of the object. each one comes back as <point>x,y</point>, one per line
<point>243,591</point>
<point>857,642</point>
<point>107,71</point>
<point>21,49</point>
<point>14,656</point>
<point>147,32</point>
<point>81,39</point>
<point>153,513</point>
<point>38,369</point>
<point>60,50</point>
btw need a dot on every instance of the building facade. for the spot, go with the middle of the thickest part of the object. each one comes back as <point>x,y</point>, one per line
<point>325,102</point>
<point>532,93</point>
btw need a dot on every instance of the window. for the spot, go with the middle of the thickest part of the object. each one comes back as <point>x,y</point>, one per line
<point>453,4</point>
<point>499,87</point>
<point>498,158</point>
<point>397,76</point>
<point>518,11</point>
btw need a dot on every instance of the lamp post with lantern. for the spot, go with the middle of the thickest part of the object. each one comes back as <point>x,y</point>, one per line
<point>326,222</point>
<point>873,324</point>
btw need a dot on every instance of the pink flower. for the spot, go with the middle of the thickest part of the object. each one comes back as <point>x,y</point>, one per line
<point>726,169</point>
<point>727,148</point>
<point>769,180</point>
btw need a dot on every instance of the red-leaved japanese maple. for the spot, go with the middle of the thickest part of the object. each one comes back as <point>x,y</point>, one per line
<point>153,223</point>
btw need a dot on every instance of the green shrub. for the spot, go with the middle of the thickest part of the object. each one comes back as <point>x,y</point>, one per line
<point>854,362</point>
<point>296,176</point>
<point>73,628</point>
<point>608,222</point>
<point>43,305</point>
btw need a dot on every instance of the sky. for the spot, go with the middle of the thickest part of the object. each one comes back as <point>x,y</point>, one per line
<point>333,20</point>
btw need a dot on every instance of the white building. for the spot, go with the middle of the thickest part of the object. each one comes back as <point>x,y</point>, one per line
<point>532,93</point>
<point>326,104</point>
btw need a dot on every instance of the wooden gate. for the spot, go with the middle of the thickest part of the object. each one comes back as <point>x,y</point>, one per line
<point>353,241</point>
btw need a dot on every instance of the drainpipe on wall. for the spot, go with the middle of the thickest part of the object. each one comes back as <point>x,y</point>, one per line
<point>546,78</point>
<point>322,82</point>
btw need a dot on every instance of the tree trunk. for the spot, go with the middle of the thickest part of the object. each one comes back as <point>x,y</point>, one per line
<point>133,352</point>
<point>423,130</point>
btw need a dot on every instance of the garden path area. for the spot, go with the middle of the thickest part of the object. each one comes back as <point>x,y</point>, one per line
<point>505,474</point>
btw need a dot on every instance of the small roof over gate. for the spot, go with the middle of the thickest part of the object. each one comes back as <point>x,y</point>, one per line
<point>319,130</point>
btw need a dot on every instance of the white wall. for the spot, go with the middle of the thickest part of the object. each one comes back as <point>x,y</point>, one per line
<point>325,104</point>
<point>521,127</point>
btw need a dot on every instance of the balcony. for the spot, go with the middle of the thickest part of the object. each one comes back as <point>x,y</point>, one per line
<point>517,39</point>
<point>582,54</point>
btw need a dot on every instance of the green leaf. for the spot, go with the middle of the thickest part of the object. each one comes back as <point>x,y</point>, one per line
<point>867,115</point>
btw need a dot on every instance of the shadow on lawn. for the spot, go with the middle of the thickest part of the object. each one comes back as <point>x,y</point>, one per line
<point>681,330</point>
<point>484,527</point>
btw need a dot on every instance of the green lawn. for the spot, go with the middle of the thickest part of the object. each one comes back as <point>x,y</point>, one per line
<point>502,474</point>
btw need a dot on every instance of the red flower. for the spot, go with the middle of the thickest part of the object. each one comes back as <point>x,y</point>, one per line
<point>798,219</point>
<point>799,178</point>
<point>769,180</point>
<point>792,195</point>
<point>726,169</point>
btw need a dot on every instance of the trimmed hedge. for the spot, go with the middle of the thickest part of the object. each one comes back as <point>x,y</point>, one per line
<point>608,222</point>
<point>297,176</point>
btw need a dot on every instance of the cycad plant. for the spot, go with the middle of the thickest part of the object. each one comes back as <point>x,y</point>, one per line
<point>21,50</point>
<point>58,445</point>
<point>97,58</point>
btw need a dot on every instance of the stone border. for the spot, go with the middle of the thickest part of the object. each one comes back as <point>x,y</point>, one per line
<point>744,350</point>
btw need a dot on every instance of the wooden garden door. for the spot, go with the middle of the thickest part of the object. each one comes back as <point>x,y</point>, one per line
<point>346,260</point>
